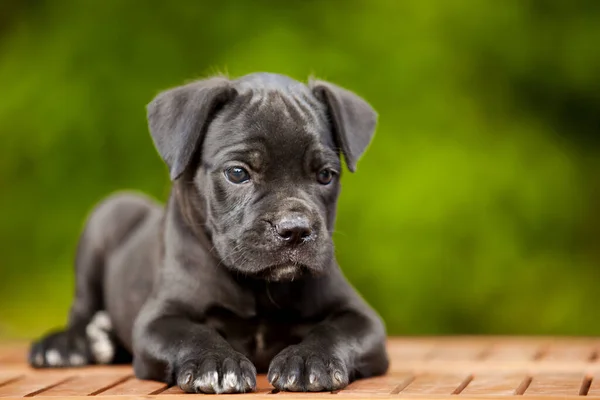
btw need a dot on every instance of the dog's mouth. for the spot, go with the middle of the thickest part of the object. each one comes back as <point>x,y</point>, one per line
<point>284,272</point>
<point>277,264</point>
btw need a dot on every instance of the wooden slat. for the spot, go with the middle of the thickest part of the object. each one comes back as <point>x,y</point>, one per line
<point>134,386</point>
<point>555,384</point>
<point>409,351</point>
<point>570,352</point>
<point>518,352</point>
<point>12,353</point>
<point>7,377</point>
<point>262,384</point>
<point>594,389</point>
<point>432,368</point>
<point>391,384</point>
<point>494,384</point>
<point>435,384</point>
<point>172,390</point>
<point>458,352</point>
<point>32,384</point>
<point>86,385</point>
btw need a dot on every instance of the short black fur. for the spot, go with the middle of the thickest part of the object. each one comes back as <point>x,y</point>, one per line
<point>211,289</point>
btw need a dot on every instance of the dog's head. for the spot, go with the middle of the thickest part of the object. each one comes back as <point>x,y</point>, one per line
<point>264,154</point>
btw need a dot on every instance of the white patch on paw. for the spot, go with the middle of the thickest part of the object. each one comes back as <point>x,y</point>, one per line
<point>99,324</point>
<point>98,333</point>
<point>102,321</point>
<point>38,360</point>
<point>53,358</point>
<point>76,360</point>
<point>229,380</point>
<point>208,381</point>
<point>103,350</point>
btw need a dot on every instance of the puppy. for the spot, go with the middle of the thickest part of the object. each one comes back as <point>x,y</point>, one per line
<point>237,273</point>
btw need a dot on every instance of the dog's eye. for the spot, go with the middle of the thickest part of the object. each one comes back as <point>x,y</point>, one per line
<point>237,175</point>
<point>325,176</point>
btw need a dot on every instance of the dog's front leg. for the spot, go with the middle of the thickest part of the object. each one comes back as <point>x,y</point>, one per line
<point>349,344</point>
<point>177,350</point>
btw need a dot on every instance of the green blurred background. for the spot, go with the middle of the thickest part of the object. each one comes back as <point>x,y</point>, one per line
<point>475,210</point>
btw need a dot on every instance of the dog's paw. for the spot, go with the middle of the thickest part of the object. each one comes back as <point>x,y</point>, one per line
<point>301,369</point>
<point>61,349</point>
<point>217,372</point>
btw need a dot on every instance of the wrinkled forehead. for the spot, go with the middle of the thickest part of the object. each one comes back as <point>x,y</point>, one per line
<point>285,121</point>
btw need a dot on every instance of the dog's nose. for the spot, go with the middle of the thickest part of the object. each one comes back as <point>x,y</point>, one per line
<point>294,229</point>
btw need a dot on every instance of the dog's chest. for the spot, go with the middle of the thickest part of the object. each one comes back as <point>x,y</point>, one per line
<point>259,339</point>
<point>274,327</point>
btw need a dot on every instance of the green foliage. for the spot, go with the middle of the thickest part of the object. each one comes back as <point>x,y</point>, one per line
<point>474,210</point>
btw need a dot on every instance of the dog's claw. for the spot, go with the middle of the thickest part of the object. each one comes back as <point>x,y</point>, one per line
<point>249,383</point>
<point>338,377</point>
<point>217,372</point>
<point>187,379</point>
<point>300,368</point>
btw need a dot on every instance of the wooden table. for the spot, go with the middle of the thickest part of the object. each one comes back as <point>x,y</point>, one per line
<point>425,368</point>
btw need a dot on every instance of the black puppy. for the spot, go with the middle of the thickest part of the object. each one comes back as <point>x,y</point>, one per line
<point>238,273</point>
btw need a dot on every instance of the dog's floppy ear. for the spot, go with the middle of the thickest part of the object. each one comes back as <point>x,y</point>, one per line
<point>353,119</point>
<point>178,118</point>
